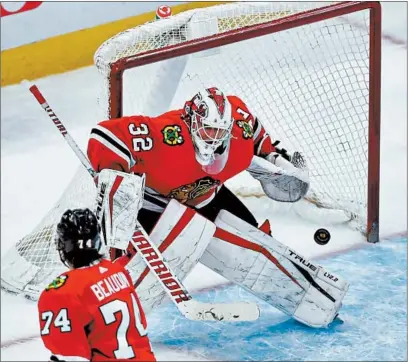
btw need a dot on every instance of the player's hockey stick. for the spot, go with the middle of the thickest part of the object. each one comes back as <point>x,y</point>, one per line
<point>190,308</point>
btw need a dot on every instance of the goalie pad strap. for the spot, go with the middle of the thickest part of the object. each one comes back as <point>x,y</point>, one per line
<point>310,279</point>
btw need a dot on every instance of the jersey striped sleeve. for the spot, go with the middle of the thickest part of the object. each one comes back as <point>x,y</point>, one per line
<point>111,142</point>
<point>262,141</point>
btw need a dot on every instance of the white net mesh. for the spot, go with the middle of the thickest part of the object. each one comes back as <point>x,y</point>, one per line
<point>308,85</point>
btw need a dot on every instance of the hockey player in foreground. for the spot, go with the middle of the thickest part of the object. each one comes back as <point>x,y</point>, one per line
<point>186,156</point>
<point>92,312</point>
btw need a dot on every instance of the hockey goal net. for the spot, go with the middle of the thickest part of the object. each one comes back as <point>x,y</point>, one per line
<point>310,72</point>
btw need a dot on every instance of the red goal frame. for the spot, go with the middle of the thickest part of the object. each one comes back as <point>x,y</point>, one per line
<point>252,31</point>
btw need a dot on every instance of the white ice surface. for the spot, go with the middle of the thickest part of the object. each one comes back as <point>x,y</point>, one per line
<point>36,166</point>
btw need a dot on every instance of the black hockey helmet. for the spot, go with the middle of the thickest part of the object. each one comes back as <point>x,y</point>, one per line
<point>78,240</point>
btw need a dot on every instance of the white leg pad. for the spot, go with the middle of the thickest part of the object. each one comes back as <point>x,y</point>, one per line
<point>274,272</point>
<point>181,235</point>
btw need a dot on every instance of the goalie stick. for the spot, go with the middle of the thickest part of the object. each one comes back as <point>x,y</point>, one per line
<point>41,100</point>
<point>190,308</point>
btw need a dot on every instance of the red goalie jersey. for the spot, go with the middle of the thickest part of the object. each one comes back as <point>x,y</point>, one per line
<point>93,314</point>
<point>162,148</point>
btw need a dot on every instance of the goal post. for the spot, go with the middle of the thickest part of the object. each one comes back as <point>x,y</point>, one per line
<point>311,72</point>
<point>300,19</point>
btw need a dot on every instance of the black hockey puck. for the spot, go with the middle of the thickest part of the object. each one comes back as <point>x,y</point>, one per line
<point>322,236</point>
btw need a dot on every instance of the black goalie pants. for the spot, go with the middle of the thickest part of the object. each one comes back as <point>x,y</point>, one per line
<point>223,200</point>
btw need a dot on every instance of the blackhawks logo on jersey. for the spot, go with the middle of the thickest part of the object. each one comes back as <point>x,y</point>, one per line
<point>172,135</point>
<point>58,282</point>
<point>247,130</point>
<point>193,190</point>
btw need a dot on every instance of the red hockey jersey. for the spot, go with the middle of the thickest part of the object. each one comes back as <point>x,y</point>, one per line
<point>94,313</point>
<point>162,148</point>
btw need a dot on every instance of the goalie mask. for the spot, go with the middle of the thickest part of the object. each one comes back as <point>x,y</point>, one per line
<point>77,240</point>
<point>209,117</point>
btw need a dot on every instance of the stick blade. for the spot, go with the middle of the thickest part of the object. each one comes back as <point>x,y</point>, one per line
<point>221,312</point>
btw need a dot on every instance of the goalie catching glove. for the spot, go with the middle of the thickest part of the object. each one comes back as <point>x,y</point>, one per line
<point>119,198</point>
<point>283,177</point>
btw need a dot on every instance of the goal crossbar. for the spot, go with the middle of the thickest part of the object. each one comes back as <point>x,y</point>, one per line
<point>273,26</point>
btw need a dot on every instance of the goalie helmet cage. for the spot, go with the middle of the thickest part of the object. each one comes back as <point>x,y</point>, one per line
<point>310,72</point>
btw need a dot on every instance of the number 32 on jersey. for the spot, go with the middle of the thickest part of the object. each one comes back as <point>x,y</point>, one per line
<point>141,142</point>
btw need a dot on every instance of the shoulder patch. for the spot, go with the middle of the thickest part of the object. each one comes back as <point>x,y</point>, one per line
<point>172,135</point>
<point>247,130</point>
<point>58,282</point>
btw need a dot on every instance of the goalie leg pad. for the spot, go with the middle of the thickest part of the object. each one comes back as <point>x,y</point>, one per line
<point>181,235</point>
<point>119,198</point>
<point>274,272</point>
